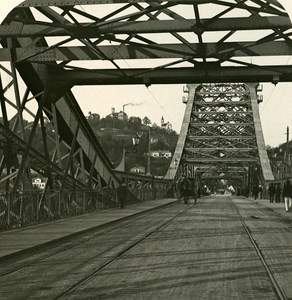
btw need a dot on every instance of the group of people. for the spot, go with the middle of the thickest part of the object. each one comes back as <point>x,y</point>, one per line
<point>185,189</point>
<point>275,194</point>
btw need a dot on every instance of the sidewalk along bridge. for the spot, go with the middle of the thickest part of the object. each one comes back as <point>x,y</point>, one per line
<point>194,42</point>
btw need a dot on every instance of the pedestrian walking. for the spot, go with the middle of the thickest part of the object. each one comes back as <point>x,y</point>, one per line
<point>272,191</point>
<point>278,193</point>
<point>179,192</point>
<point>122,193</point>
<point>287,194</point>
<point>261,191</point>
<point>185,189</point>
<point>195,192</point>
<point>256,191</point>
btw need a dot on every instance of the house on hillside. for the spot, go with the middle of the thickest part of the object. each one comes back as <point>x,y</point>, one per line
<point>39,183</point>
<point>167,126</point>
<point>138,169</point>
<point>161,153</point>
<point>122,116</point>
<point>165,153</point>
<point>93,116</point>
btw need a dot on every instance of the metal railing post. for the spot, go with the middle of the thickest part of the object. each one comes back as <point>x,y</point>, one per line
<point>59,204</point>
<point>37,206</point>
<point>8,208</point>
<point>84,203</point>
<point>21,209</point>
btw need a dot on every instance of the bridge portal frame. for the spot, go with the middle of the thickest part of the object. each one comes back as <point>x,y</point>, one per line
<point>221,136</point>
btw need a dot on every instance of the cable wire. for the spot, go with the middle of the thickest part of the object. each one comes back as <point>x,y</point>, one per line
<point>161,106</point>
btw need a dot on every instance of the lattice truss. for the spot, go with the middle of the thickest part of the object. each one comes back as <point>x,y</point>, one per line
<point>221,135</point>
<point>221,127</point>
<point>153,41</point>
<point>224,172</point>
<point>56,143</point>
<point>49,46</point>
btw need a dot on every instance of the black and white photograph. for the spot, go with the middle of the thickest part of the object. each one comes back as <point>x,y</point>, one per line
<point>145,149</point>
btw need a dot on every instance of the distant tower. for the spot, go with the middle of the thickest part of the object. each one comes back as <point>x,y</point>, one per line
<point>221,136</point>
<point>162,121</point>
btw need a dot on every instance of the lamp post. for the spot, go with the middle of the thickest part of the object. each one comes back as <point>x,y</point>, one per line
<point>287,147</point>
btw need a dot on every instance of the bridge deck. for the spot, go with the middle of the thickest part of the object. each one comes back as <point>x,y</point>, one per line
<point>222,248</point>
<point>39,235</point>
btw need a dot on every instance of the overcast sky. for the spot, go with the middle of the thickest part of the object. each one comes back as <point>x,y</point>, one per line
<point>166,100</point>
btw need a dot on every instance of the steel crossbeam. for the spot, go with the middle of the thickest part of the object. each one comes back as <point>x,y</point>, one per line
<point>89,30</point>
<point>122,34</point>
<point>140,51</point>
<point>171,75</point>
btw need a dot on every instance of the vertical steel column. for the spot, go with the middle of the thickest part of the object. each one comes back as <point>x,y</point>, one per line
<point>57,141</point>
<point>71,154</point>
<point>46,151</point>
<point>176,159</point>
<point>262,151</point>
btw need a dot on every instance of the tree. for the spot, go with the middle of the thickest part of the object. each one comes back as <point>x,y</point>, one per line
<point>135,123</point>
<point>146,121</point>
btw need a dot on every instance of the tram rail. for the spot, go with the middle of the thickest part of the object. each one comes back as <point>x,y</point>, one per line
<point>119,255</point>
<point>98,232</point>
<point>279,292</point>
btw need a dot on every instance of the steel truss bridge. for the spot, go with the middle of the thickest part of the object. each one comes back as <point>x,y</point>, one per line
<point>221,136</point>
<point>43,43</point>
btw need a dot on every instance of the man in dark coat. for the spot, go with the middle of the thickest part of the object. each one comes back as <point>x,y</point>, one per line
<point>185,189</point>
<point>278,193</point>
<point>272,191</point>
<point>122,193</point>
<point>287,195</point>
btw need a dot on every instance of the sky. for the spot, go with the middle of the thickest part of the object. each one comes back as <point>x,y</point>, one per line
<point>166,100</point>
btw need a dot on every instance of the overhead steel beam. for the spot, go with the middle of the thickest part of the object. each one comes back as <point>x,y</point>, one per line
<point>221,161</point>
<point>94,30</point>
<point>212,50</point>
<point>171,75</point>
<point>40,3</point>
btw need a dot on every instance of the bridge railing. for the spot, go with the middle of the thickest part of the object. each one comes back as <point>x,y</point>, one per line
<point>33,207</point>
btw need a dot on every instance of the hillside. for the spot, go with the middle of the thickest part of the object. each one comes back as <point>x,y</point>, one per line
<point>115,134</point>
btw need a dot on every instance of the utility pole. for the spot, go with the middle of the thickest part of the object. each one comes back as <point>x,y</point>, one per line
<point>149,152</point>
<point>287,148</point>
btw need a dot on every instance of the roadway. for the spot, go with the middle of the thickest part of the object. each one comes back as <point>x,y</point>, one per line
<point>221,248</point>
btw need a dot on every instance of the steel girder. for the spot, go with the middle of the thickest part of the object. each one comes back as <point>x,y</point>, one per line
<point>89,30</point>
<point>221,136</point>
<point>58,143</point>
<point>207,43</point>
<point>203,41</point>
<point>66,154</point>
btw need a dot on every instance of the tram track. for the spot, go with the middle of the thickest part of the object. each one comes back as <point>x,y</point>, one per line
<point>278,291</point>
<point>272,214</point>
<point>231,246</point>
<point>123,252</point>
<point>81,241</point>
